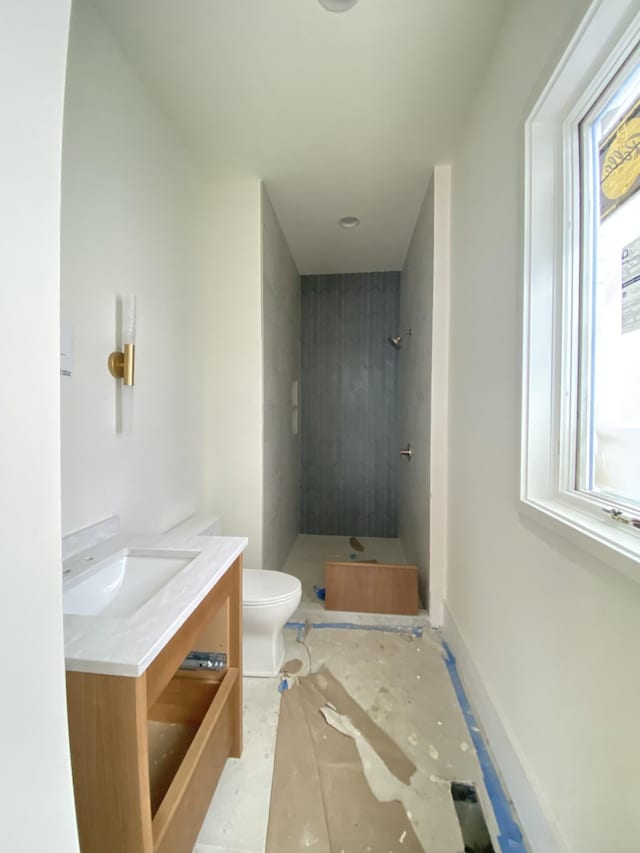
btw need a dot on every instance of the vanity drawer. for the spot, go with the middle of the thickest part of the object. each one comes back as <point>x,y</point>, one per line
<point>190,733</point>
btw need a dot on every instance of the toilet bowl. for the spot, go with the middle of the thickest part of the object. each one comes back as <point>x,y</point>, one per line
<point>269,599</point>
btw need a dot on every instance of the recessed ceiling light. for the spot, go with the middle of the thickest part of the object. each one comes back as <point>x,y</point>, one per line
<point>337,5</point>
<point>349,222</point>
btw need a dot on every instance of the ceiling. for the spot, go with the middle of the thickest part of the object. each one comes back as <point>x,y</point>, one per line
<point>339,114</point>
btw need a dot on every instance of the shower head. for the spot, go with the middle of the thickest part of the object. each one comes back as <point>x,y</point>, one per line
<point>397,341</point>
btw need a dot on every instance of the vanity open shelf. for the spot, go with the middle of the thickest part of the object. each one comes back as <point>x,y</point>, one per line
<point>147,751</point>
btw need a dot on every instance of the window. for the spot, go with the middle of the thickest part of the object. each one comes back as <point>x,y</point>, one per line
<point>608,462</point>
<point>581,368</point>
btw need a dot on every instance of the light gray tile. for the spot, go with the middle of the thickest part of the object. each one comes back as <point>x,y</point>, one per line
<point>281,348</point>
<point>239,811</point>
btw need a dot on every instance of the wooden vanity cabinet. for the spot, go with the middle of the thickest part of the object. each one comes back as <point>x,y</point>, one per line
<point>147,752</point>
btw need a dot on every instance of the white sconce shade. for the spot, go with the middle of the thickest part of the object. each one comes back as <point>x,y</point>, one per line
<point>128,344</point>
<point>129,319</point>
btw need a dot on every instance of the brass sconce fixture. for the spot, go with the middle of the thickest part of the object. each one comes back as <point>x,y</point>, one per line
<point>121,364</point>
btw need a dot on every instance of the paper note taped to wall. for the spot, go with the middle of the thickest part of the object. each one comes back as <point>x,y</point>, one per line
<point>631,287</point>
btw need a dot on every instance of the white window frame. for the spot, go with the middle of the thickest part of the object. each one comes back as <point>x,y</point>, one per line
<point>552,256</point>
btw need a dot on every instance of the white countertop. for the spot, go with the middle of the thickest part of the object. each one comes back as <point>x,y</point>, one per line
<point>127,645</point>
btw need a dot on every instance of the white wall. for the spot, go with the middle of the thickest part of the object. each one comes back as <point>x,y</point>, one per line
<point>553,634</point>
<point>233,367</point>
<point>137,217</point>
<point>281,329</point>
<point>439,503</point>
<point>416,303</point>
<point>131,213</point>
<point>36,801</point>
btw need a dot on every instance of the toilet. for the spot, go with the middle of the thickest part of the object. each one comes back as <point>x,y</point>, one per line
<point>269,600</point>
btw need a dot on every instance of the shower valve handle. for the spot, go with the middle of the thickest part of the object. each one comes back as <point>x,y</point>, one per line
<point>408,452</point>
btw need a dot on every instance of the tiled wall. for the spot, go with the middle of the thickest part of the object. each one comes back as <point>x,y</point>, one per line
<point>416,303</point>
<point>281,341</point>
<point>349,404</point>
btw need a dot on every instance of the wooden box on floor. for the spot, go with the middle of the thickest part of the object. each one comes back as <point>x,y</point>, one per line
<point>371,587</point>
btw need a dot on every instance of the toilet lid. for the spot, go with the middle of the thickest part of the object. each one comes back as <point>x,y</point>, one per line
<point>261,586</point>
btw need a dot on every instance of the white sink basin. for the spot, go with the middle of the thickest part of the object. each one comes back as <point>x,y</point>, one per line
<point>122,583</point>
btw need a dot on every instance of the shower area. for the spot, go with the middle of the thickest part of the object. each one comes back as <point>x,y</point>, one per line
<point>348,424</point>
<point>349,405</point>
<point>347,411</point>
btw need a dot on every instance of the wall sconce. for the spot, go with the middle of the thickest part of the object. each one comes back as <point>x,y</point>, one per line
<point>122,364</point>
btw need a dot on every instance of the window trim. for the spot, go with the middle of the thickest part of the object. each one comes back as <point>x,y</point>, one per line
<point>551,330</point>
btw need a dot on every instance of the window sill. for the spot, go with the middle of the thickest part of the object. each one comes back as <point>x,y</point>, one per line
<point>617,546</point>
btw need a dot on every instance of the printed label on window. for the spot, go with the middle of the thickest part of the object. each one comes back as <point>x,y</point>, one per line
<point>631,287</point>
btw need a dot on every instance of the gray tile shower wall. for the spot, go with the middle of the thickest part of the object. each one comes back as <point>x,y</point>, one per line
<point>281,348</point>
<point>349,404</point>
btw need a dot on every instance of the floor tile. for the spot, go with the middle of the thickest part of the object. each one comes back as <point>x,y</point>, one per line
<point>396,675</point>
<point>238,815</point>
<point>309,554</point>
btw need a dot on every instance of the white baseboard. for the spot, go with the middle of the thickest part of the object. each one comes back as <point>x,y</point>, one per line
<point>541,834</point>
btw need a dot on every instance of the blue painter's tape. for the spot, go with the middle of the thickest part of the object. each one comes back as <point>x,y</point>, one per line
<point>510,837</point>
<point>411,630</point>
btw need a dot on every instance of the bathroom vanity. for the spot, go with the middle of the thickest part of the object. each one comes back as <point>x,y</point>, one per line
<point>149,740</point>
